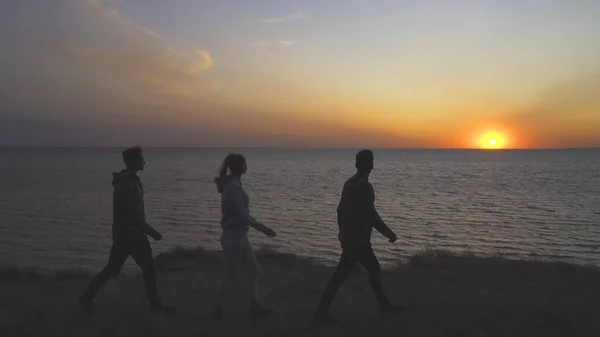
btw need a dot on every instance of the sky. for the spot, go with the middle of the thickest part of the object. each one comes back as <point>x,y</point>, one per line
<point>300,73</point>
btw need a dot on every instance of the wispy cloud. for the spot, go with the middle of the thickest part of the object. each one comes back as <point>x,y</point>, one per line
<point>113,13</point>
<point>147,64</point>
<point>262,44</point>
<point>104,78</point>
<point>206,61</point>
<point>197,63</point>
<point>289,17</point>
<point>284,43</point>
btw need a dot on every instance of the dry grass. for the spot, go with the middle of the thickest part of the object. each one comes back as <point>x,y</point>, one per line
<point>32,274</point>
<point>445,294</point>
<point>182,258</point>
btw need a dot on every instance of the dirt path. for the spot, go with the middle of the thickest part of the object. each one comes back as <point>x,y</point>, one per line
<point>447,296</point>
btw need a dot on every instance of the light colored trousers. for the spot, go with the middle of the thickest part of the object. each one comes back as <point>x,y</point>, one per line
<point>238,251</point>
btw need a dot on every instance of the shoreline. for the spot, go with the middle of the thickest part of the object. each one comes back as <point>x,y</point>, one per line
<point>181,255</point>
<point>443,294</point>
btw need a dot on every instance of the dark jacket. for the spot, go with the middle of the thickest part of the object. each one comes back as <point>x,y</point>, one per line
<point>356,213</point>
<point>129,217</point>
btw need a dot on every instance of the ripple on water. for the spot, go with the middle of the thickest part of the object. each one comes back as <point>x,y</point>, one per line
<point>454,200</point>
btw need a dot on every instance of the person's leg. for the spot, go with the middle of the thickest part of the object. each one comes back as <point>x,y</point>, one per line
<point>142,254</point>
<point>118,255</point>
<point>344,269</point>
<point>248,259</point>
<point>250,263</point>
<point>369,261</point>
<point>232,248</point>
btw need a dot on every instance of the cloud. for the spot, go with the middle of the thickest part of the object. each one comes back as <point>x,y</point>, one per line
<point>289,17</point>
<point>88,74</point>
<point>262,44</point>
<point>206,60</point>
<point>145,73</point>
<point>114,14</point>
<point>284,43</point>
<point>148,68</point>
<point>202,60</point>
<point>84,53</point>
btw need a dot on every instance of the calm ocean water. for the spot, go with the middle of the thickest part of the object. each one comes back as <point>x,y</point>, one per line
<point>55,204</point>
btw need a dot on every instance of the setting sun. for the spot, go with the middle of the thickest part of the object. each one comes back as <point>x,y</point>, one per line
<point>492,140</point>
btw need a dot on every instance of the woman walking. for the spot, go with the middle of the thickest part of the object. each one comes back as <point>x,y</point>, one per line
<point>236,221</point>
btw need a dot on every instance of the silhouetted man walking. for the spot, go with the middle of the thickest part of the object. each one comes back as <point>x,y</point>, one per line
<point>356,216</point>
<point>130,233</point>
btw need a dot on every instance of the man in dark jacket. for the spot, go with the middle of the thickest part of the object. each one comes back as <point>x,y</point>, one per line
<point>130,233</point>
<point>357,217</point>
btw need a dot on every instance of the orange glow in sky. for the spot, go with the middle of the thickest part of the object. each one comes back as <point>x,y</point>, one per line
<point>492,140</point>
<point>291,75</point>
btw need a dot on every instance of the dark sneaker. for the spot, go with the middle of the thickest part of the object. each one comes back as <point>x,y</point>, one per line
<point>86,304</point>
<point>163,309</point>
<point>218,314</point>
<point>257,312</point>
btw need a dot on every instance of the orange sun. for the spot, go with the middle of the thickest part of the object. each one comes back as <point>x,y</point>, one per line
<point>492,140</point>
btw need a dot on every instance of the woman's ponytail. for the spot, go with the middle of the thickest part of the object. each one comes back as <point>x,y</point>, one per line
<point>225,166</point>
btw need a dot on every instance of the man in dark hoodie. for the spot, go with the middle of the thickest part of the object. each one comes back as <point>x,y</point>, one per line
<point>130,233</point>
<point>356,216</point>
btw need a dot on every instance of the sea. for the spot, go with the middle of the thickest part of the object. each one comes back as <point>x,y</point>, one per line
<point>55,203</point>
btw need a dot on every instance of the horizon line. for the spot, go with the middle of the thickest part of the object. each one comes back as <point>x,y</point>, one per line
<point>289,148</point>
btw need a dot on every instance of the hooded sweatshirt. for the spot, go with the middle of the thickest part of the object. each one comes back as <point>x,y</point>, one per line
<point>129,217</point>
<point>357,215</point>
<point>235,205</point>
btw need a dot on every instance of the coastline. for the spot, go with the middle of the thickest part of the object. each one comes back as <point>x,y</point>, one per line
<point>443,294</point>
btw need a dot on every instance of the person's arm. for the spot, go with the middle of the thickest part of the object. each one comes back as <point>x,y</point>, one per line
<point>367,198</point>
<point>340,221</point>
<point>235,201</point>
<point>342,212</point>
<point>125,202</point>
<point>145,227</point>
